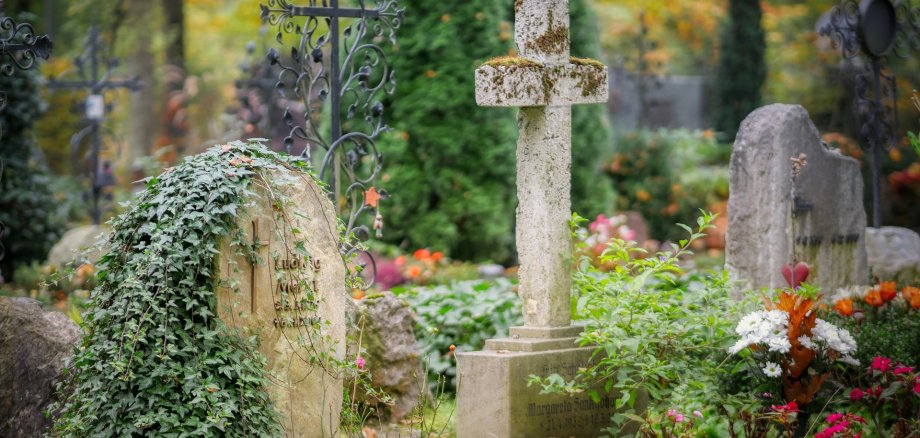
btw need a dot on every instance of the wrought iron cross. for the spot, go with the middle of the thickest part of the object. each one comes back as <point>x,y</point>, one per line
<point>875,29</point>
<point>358,73</point>
<point>95,109</point>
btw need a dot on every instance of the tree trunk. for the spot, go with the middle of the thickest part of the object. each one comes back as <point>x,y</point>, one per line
<point>142,120</point>
<point>175,27</point>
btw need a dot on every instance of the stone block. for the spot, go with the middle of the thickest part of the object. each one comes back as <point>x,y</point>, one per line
<point>894,253</point>
<point>494,400</point>
<point>531,84</point>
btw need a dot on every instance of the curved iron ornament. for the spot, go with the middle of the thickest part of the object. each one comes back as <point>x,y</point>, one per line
<point>19,46</point>
<point>873,30</point>
<point>353,80</point>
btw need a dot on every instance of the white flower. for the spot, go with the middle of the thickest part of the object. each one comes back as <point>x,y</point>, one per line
<point>772,369</point>
<point>778,317</point>
<point>779,343</point>
<point>835,338</point>
<point>740,345</point>
<point>849,360</point>
<point>807,343</point>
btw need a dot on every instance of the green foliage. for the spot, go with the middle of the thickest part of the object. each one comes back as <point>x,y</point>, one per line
<point>592,194</point>
<point>450,163</point>
<point>27,206</point>
<point>742,69</point>
<point>891,331</point>
<point>157,361</point>
<point>463,314</point>
<point>657,332</point>
<point>666,176</point>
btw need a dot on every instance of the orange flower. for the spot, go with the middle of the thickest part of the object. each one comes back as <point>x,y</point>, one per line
<point>437,256</point>
<point>643,196</point>
<point>844,306</point>
<point>401,261</point>
<point>422,254</point>
<point>888,290</point>
<point>874,297</point>
<point>912,295</point>
<point>414,272</point>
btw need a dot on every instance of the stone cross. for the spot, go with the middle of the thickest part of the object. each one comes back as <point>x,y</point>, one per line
<point>544,82</point>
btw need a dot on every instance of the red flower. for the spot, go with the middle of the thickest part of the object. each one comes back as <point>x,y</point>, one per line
<point>422,254</point>
<point>874,297</point>
<point>857,394</point>
<point>788,408</point>
<point>901,369</point>
<point>437,256</point>
<point>881,363</point>
<point>917,388</point>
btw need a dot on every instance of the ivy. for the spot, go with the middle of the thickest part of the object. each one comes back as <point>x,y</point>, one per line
<point>156,360</point>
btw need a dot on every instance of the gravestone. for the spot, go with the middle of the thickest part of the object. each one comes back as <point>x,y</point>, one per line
<point>894,254</point>
<point>293,299</point>
<point>820,216</point>
<point>493,398</point>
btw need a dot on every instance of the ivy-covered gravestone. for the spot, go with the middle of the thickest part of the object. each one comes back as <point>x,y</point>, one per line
<point>220,307</point>
<point>289,291</point>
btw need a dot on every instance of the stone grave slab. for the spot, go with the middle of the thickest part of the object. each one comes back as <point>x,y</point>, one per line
<point>293,299</point>
<point>820,219</point>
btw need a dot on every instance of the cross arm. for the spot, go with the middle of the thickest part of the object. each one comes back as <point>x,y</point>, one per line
<point>520,82</point>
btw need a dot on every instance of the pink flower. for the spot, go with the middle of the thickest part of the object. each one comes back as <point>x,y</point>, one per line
<point>881,363</point>
<point>697,414</point>
<point>856,394</point>
<point>672,413</point>
<point>360,363</point>
<point>787,408</point>
<point>833,418</point>
<point>917,388</point>
<point>901,369</point>
<point>679,418</point>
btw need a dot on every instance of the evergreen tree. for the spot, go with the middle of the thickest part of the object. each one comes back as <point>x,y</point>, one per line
<point>449,163</point>
<point>27,207</point>
<point>742,69</point>
<point>592,192</point>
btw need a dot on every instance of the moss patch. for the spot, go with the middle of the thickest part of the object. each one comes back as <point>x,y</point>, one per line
<point>511,61</point>
<point>586,61</point>
<point>590,81</point>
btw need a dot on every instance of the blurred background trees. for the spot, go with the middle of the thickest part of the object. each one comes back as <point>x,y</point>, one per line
<point>448,163</point>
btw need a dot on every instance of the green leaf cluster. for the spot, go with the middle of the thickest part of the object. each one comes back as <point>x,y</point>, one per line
<point>157,361</point>
<point>463,314</point>
<point>659,335</point>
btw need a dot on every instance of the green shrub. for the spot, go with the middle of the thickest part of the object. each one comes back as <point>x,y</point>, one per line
<point>666,176</point>
<point>656,331</point>
<point>27,206</point>
<point>463,314</point>
<point>742,68</point>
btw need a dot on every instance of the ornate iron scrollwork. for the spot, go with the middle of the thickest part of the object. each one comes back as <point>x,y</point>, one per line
<point>19,46</point>
<point>352,80</point>
<point>873,30</point>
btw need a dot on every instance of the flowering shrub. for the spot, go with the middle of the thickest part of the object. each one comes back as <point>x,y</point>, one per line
<point>842,426</point>
<point>883,320</point>
<point>891,395</point>
<point>598,236</point>
<point>672,424</point>
<point>422,266</point>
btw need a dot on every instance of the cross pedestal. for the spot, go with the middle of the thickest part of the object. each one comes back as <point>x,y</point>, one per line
<point>493,397</point>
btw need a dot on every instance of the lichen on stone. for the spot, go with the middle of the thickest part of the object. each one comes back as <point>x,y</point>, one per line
<point>554,40</point>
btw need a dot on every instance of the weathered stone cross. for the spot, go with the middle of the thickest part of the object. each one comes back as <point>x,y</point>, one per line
<point>544,82</point>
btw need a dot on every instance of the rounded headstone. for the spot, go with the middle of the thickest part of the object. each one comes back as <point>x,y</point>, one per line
<point>292,298</point>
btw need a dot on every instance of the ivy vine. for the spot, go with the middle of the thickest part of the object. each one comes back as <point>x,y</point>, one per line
<point>156,360</point>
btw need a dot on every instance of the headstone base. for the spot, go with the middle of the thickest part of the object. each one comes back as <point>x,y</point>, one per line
<point>493,399</point>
